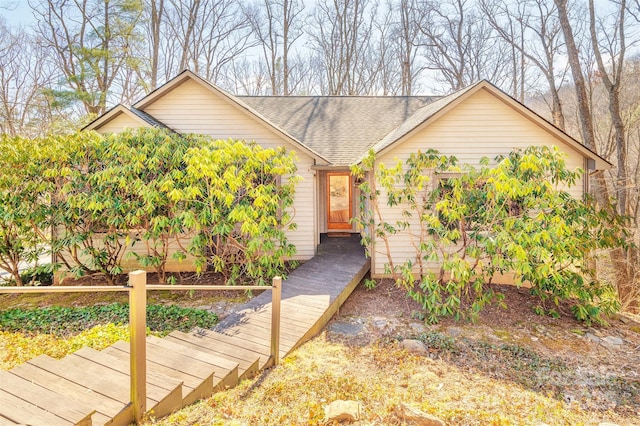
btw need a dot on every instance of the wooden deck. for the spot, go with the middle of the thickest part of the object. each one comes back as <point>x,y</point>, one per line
<point>92,387</point>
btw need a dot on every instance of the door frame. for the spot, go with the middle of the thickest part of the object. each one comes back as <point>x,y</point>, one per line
<point>339,225</point>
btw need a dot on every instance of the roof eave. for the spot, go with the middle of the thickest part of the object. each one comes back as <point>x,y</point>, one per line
<point>600,163</point>
<point>232,100</point>
<point>111,115</point>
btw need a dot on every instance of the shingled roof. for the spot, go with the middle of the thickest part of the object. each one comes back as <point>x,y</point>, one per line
<point>340,128</point>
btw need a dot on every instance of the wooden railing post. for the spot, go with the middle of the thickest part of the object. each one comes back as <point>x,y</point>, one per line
<point>276,295</point>
<point>138,352</point>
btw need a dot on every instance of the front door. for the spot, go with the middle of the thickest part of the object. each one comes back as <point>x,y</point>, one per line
<point>339,203</point>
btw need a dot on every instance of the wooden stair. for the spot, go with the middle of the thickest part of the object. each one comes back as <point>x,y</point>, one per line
<point>92,387</point>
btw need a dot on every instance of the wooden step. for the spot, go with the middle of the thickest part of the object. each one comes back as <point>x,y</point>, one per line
<point>191,385</point>
<point>6,422</point>
<point>46,399</point>
<point>262,348</point>
<point>159,401</point>
<point>103,380</point>
<point>248,362</point>
<point>154,379</point>
<point>224,368</point>
<point>107,409</point>
<point>184,364</point>
<point>25,413</point>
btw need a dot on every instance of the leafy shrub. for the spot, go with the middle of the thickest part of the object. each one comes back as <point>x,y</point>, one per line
<point>37,276</point>
<point>438,340</point>
<point>146,194</point>
<point>62,321</point>
<point>469,225</point>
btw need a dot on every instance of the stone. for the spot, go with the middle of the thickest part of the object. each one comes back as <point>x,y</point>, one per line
<point>379,322</point>
<point>413,416</point>
<point>418,327</point>
<point>592,337</point>
<point>345,328</point>
<point>414,346</point>
<point>342,411</point>
<point>612,341</point>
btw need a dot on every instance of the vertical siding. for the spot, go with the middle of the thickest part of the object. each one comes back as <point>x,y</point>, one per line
<point>191,108</point>
<point>119,124</point>
<point>481,126</point>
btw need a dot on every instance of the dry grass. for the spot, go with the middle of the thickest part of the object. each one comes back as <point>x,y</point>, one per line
<point>380,376</point>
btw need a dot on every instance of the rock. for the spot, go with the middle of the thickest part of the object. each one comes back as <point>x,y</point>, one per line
<point>414,346</point>
<point>612,341</point>
<point>592,337</point>
<point>418,327</point>
<point>379,322</point>
<point>346,328</point>
<point>341,411</point>
<point>416,417</point>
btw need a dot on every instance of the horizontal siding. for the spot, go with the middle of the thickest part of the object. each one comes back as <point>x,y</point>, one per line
<point>191,108</point>
<point>481,126</point>
<point>119,124</point>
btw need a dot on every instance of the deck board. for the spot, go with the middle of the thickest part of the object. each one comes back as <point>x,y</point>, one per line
<point>48,400</point>
<point>185,367</point>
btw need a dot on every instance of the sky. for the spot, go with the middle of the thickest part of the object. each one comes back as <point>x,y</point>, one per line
<point>16,12</point>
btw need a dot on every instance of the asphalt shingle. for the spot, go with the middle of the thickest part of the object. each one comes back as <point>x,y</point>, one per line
<point>340,128</point>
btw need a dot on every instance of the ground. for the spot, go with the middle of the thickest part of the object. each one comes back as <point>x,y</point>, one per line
<point>510,367</point>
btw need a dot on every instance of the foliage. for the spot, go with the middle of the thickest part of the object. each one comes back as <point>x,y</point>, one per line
<point>63,321</point>
<point>23,192</point>
<point>88,207</point>
<point>97,201</point>
<point>239,200</point>
<point>17,348</point>
<point>470,225</point>
<point>140,174</point>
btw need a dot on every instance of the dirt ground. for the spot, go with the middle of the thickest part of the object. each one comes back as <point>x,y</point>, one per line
<point>597,367</point>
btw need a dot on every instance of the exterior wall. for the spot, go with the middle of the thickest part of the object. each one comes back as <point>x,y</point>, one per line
<point>192,108</point>
<point>119,123</point>
<point>481,126</point>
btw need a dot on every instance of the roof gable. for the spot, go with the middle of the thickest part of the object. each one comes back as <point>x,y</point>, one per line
<point>430,113</point>
<point>231,100</point>
<point>116,112</point>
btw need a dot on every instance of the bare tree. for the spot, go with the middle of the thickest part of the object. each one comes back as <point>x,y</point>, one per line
<point>277,25</point>
<point>342,42</point>
<point>399,32</point>
<point>155,17</point>
<point>606,36</point>
<point>206,36</point>
<point>532,28</point>
<point>91,41</point>
<point>459,44</point>
<point>25,72</point>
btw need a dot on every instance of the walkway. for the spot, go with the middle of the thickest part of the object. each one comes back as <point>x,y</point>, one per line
<point>91,387</point>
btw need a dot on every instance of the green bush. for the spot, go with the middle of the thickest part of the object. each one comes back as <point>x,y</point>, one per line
<point>62,321</point>
<point>469,225</point>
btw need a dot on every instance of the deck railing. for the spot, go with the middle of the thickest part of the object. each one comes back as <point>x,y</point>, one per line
<point>137,288</point>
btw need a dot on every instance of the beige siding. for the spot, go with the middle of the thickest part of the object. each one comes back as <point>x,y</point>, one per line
<point>481,126</point>
<point>120,123</point>
<point>192,108</point>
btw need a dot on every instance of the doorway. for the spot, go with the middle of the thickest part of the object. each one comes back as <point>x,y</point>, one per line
<point>339,201</point>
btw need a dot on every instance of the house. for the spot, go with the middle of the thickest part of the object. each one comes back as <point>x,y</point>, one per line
<point>330,133</point>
